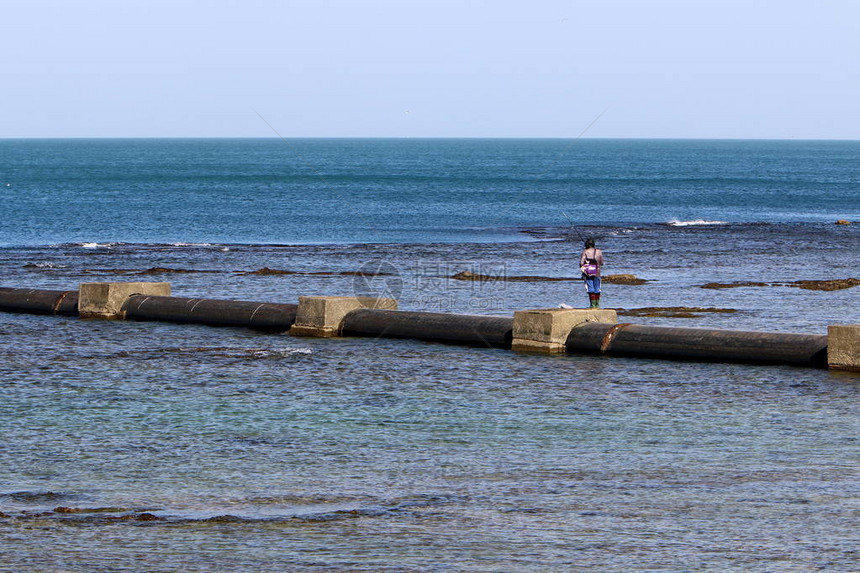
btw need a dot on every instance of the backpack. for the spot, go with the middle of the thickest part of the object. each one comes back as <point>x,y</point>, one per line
<point>590,268</point>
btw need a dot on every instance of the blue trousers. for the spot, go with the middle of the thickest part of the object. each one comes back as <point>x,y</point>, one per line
<point>592,284</point>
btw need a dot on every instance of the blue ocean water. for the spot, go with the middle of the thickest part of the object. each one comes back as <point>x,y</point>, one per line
<point>334,191</point>
<point>152,446</point>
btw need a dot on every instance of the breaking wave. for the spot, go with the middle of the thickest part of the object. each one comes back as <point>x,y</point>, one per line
<point>694,223</point>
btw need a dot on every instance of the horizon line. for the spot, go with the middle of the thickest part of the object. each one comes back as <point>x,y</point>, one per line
<point>401,137</point>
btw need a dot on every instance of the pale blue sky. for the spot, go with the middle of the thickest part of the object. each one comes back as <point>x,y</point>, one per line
<point>447,68</point>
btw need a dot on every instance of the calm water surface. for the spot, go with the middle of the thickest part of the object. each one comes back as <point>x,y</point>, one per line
<point>160,447</point>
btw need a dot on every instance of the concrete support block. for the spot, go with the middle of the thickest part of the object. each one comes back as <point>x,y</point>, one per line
<point>843,347</point>
<point>321,316</point>
<point>105,300</point>
<point>546,331</point>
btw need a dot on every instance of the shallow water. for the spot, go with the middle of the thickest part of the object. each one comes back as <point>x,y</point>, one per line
<point>367,454</point>
<point>256,450</point>
<point>675,260</point>
<point>133,446</point>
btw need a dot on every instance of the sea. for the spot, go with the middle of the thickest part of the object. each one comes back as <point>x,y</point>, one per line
<point>148,446</point>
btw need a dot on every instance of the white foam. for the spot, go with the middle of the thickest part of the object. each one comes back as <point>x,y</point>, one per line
<point>281,353</point>
<point>694,223</point>
<point>95,245</point>
<point>621,232</point>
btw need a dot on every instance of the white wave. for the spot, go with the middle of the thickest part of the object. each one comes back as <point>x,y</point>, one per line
<point>96,245</point>
<point>281,353</point>
<point>621,232</point>
<point>694,223</point>
<point>191,244</point>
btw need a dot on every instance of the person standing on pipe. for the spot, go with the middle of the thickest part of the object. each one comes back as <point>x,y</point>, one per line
<point>590,262</point>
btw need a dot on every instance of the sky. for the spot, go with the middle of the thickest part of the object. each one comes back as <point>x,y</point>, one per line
<point>761,69</point>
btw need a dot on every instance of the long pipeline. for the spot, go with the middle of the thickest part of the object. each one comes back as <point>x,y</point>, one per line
<point>699,344</point>
<point>472,330</point>
<point>602,338</point>
<point>257,315</point>
<point>39,301</point>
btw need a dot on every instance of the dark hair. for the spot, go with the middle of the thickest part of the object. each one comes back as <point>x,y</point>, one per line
<point>589,243</point>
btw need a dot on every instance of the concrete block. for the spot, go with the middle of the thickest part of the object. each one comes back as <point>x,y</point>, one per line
<point>843,347</point>
<point>105,300</point>
<point>546,330</point>
<point>321,316</point>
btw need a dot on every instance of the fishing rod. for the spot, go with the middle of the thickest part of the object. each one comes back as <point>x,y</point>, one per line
<point>581,238</point>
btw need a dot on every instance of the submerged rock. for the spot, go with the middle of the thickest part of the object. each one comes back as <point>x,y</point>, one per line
<point>145,516</point>
<point>825,285</point>
<point>66,509</point>
<point>470,276</point>
<point>673,311</point>
<point>734,285</point>
<point>165,270</point>
<point>624,279</point>
<point>267,271</point>
<point>226,518</point>
<point>149,271</point>
<point>833,284</point>
<point>363,274</point>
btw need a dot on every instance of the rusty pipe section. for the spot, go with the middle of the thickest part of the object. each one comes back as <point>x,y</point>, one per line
<point>471,330</point>
<point>699,344</point>
<point>257,315</point>
<point>39,301</point>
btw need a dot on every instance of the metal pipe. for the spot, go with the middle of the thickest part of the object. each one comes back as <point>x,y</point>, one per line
<point>39,301</point>
<point>699,344</point>
<point>258,315</point>
<point>472,330</point>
